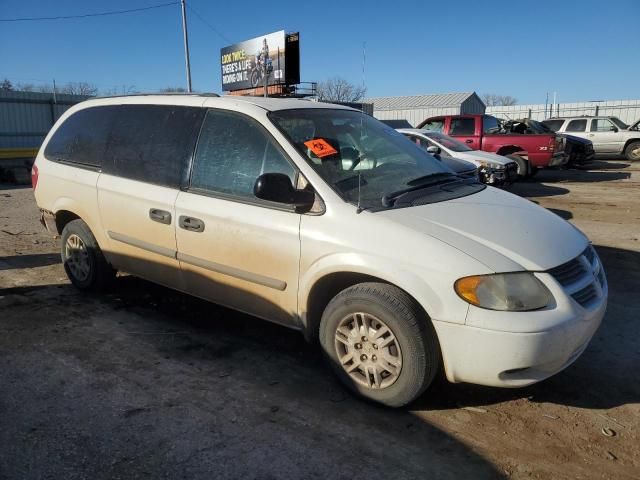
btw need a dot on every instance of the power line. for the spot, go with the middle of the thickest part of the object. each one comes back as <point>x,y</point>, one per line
<point>100,14</point>
<point>203,20</point>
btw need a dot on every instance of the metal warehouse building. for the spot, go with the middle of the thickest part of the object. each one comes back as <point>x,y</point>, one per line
<point>26,117</point>
<point>416,108</point>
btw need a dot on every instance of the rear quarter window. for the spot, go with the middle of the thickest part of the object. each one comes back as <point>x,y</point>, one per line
<point>576,126</point>
<point>153,143</point>
<point>554,125</point>
<point>82,138</point>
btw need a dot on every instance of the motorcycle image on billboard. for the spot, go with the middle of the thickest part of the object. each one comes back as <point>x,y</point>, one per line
<point>246,64</point>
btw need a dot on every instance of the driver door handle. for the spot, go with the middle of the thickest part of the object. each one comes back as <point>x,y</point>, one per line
<point>468,140</point>
<point>160,216</point>
<point>190,223</point>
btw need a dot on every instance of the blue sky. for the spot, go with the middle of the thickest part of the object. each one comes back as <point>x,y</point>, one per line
<point>584,50</point>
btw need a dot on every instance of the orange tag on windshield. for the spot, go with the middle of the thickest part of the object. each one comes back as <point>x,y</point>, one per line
<point>320,147</point>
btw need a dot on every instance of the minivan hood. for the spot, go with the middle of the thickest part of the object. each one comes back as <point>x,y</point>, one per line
<point>480,156</point>
<point>499,229</point>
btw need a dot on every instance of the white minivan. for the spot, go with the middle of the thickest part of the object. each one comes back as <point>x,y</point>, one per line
<point>322,219</point>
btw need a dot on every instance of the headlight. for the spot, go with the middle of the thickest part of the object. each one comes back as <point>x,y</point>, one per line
<point>491,165</point>
<point>514,292</point>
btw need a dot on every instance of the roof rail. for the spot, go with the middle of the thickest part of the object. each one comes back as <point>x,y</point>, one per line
<point>177,94</point>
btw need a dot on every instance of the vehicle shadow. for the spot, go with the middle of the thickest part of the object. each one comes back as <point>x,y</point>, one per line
<point>11,186</point>
<point>530,189</point>
<point>167,369</point>
<point>601,164</point>
<point>566,214</point>
<point>579,176</point>
<point>15,262</point>
<point>605,376</point>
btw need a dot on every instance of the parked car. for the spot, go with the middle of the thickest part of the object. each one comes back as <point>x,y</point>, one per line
<point>398,266</point>
<point>460,167</point>
<point>609,135</point>
<point>485,132</point>
<point>493,169</point>
<point>578,151</point>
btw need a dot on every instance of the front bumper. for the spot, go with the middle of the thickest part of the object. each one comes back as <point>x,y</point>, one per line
<point>499,177</point>
<point>512,359</point>
<point>516,349</point>
<point>558,159</point>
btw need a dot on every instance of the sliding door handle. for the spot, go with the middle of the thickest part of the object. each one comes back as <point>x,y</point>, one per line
<point>191,224</point>
<point>160,216</point>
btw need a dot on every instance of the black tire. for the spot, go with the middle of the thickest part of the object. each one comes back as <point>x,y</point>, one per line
<point>99,273</point>
<point>413,331</point>
<point>254,78</point>
<point>523,166</point>
<point>630,152</point>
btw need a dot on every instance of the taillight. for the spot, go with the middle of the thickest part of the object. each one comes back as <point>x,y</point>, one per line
<point>34,177</point>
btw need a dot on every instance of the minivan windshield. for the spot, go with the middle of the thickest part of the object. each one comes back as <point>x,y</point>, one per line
<point>367,162</point>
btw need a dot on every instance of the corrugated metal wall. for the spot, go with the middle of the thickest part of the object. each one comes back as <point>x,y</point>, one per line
<point>474,105</point>
<point>414,115</point>
<point>627,110</point>
<point>26,117</point>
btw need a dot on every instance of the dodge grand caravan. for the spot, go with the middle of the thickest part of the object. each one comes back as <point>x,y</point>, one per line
<point>322,219</point>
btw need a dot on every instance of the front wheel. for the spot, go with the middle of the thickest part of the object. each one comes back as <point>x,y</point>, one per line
<point>632,152</point>
<point>523,165</point>
<point>380,343</point>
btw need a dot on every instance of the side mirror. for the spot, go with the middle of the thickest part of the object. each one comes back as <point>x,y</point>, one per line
<point>277,187</point>
<point>433,150</point>
<point>613,129</point>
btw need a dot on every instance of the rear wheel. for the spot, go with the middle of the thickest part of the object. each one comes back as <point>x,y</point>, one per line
<point>378,341</point>
<point>523,165</point>
<point>82,258</point>
<point>632,152</point>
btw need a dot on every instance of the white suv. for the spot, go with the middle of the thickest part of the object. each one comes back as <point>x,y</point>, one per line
<point>609,135</point>
<point>322,219</point>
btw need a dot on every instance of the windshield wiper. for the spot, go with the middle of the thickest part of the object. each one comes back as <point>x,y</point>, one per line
<point>416,184</point>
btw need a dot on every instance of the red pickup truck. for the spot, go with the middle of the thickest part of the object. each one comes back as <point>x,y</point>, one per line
<point>484,132</point>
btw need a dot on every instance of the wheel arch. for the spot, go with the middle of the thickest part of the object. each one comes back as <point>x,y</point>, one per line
<point>629,142</point>
<point>63,217</point>
<point>511,149</point>
<point>329,284</point>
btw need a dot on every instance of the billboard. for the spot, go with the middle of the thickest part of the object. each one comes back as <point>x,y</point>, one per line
<point>274,56</point>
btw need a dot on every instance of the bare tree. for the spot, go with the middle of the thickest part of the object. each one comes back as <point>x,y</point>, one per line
<point>121,90</point>
<point>173,90</point>
<point>6,85</point>
<point>80,88</point>
<point>337,89</point>
<point>494,100</point>
<point>25,87</point>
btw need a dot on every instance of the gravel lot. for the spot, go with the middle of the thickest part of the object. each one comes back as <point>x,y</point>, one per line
<point>144,382</point>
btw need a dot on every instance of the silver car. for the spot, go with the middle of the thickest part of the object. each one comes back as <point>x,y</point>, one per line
<point>609,135</point>
<point>493,169</point>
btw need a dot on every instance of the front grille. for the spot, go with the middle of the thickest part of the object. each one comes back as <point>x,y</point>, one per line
<point>585,295</point>
<point>569,272</point>
<point>590,254</point>
<point>583,277</point>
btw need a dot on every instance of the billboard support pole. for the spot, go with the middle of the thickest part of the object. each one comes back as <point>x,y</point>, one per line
<point>186,44</point>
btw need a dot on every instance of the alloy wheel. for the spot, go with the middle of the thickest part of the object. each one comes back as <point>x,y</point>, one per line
<point>77,257</point>
<point>368,350</point>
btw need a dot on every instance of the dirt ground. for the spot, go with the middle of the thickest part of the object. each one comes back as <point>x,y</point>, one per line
<point>144,382</point>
